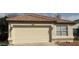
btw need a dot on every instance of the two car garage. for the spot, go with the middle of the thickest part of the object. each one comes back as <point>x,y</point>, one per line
<point>31,34</point>
<point>31,28</point>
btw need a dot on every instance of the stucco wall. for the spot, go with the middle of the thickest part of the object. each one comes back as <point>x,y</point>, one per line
<point>54,36</point>
<point>76,26</point>
<point>70,32</point>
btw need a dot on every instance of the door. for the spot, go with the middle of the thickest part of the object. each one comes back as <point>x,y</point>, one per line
<point>30,35</point>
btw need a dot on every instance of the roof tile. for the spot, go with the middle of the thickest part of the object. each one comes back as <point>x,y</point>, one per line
<point>35,17</point>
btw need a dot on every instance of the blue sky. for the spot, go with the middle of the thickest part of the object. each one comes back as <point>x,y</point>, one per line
<point>67,16</point>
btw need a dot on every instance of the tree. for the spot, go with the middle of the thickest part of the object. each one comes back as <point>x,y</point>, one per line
<point>3,29</point>
<point>76,34</point>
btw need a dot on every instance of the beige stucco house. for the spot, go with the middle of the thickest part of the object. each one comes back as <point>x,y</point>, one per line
<point>35,28</point>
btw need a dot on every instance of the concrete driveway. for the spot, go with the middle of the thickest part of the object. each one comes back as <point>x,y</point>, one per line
<point>37,44</point>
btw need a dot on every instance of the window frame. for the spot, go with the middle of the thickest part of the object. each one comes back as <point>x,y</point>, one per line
<point>61,31</point>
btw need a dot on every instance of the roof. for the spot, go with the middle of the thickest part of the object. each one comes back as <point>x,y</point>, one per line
<point>36,17</point>
<point>77,21</point>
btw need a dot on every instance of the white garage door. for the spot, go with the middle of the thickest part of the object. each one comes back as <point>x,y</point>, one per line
<point>30,34</point>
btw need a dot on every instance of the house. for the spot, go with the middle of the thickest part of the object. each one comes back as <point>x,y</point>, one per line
<point>76,28</point>
<point>33,28</point>
<point>77,24</point>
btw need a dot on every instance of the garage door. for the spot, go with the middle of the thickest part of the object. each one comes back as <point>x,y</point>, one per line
<point>30,34</point>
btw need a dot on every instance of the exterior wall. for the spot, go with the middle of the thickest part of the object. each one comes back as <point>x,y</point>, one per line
<point>54,36</point>
<point>11,35</point>
<point>63,40</point>
<point>9,30</point>
<point>70,33</point>
<point>68,38</point>
<point>76,26</point>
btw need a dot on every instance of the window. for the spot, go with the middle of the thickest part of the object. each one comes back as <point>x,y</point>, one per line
<point>61,30</point>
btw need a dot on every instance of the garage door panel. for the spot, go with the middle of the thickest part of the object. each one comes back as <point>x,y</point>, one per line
<point>29,35</point>
<point>28,41</point>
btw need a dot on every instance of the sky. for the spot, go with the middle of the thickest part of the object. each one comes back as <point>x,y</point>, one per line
<point>66,16</point>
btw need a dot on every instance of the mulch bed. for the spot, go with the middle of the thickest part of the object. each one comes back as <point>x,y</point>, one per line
<point>68,43</point>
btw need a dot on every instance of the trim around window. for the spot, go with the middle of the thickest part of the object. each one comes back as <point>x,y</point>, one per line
<point>61,30</point>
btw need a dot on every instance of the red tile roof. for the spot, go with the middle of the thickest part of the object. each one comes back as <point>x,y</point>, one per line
<point>35,17</point>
